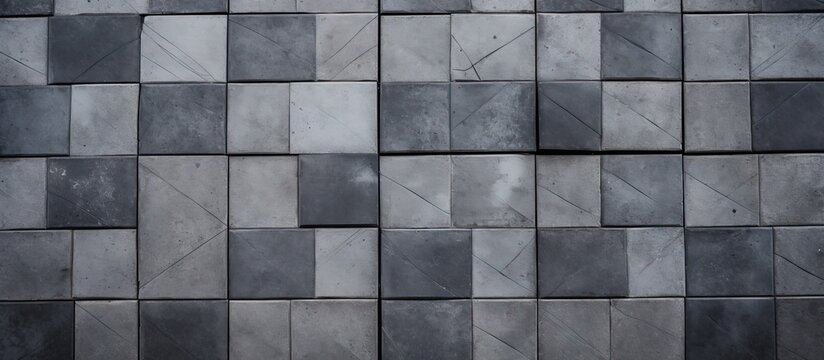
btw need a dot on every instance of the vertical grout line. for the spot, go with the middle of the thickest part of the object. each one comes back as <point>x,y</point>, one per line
<point>378,302</point>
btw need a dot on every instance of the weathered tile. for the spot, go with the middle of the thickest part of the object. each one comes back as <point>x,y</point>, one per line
<point>184,329</point>
<point>668,6</point>
<point>504,329</point>
<point>104,119</point>
<point>347,46</point>
<point>105,330</point>
<point>582,263</point>
<point>799,327</point>
<point>721,190</point>
<point>782,45</point>
<point>271,264</point>
<point>786,116</point>
<point>798,266</point>
<point>271,47</point>
<point>426,329</point>
<point>262,6</point>
<point>325,329</point>
<point>258,329</point>
<point>493,47</point>
<point>75,7</point>
<point>24,41</point>
<point>716,47</point>
<point>638,190</point>
<point>721,5</point>
<point>23,182</point>
<point>790,5</point>
<point>426,263</point>
<point>730,328</point>
<point>337,6</point>
<point>641,116</point>
<point>414,117</point>
<point>493,116</point>
<point>104,264</point>
<point>569,115</point>
<point>717,117</point>
<point>569,190</point>
<point>92,192</point>
<point>425,6</point>
<point>655,262</point>
<point>339,189</point>
<point>182,226</point>
<point>35,265</point>
<point>37,330</point>
<point>641,46</point>
<point>190,48</point>
<point>415,48</point>
<point>415,191</point>
<point>569,46</point>
<point>26,7</point>
<point>187,6</point>
<point>647,329</point>
<point>333,118</point>
<point>503,6</point>
<point>94,49</point>
<point>34,120</point>
<point>493,190</point>
<point>573,329</point>
<point>729,262</point>
<point>182,119</point>
<point>792,189</point>
<point>503,263</point>
<point>346,263</point>
<point>263,191</point>
<point>579,5</point>
<point>257,118</point>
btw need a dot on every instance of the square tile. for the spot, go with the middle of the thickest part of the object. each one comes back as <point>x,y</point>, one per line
<point>504,329</point>
<point>271,47</point>
<point>415,48</point>
<point>259,329</point>
<point>579,5</point>
<point>94,49</point>
<point>730,328</point>
<point>717,117</point>
<point>76,7</point>
<point>721,5</point>
<point>785,116</point>
<point>42,330</point>
<point>493,47</point>
<point>35,265</point>
<point>188,48</point>
<point>346,263</point>
<point>105,330</point>
<point>782,44</point>
<point>34,120</point>
<point>257,118</point>
<point>573,329</point>
<point>799,327</point>
<point>493,190</point>
<point>184,329</point>
<point>716,47</point>
<point>641,46</point>
<point>271,264</point>
<point>503,263</point>
<point>347,46</point>
<point>426,329</point>
<point>25,43</point>
<point>729,262</point>
<point>655,262</point>
<point>503,6</point>
<point>639,190</point>
<point>337,6</point>
<point>425,6</point>
<point>721,190</point>
<point>641,116</point>
<point>798,268</point>
<point>569,46</point>
<point>187,6</point>
<point>569,190</point>
<point>647,329</point>
<point>263,191</point>
<point>792,189</point>
<point>416,191</point>
<point>24,183</point>
<point>339,189</point>
<point>582,263</point>
<point>426,264</point>
<point>26,7</point>
<point>414,117</point>
<point>104,119</point>
<point>325,329</point>
<point>497,116</point>
<point>105,264</point>
<point>569,115</point>
<point>182,119</point>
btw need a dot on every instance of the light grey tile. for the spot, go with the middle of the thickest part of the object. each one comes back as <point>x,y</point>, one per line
<point>415,191</point>
<point>105,264</point>
<point>716,47</point>
<point>415,48</point>
<point>721,190</point>
<point>263,191</point>
<point>503,263</point>
<point>493,190</point>
<point>792,189</point>
<point>104,119</point>
<point>647,329</point>
<point>504,329</point>
<point>24,41</point>
<point>325,329</point>
<point>569,190</point>
<point>190,48</point>
<point>259,329</point>
<point>717,117</point>
<point>23,181</point>
<point>655,262</point>
<point>641,116</point>
<point>105,330</point>
<point>493,47</point>
<point>347,47</point>
<point>346,263</point>
<point>569,47</point>
<point>573,329</point>
<point>257,118</point>
<point>782,46</point>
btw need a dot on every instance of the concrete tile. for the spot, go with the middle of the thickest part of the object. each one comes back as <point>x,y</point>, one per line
<point>493,47</point>
<point>667,6</point>
<point>259,329</point>
<point>717,117</point>
<point>426,329</point>
<point>414,117</point>
<point>271,47</point>
<point>42,330</point>
<point>75,7</point>
<point>647,329</point>
<point>271,264</point>
<point>792,189</point>
<point>798,269</point>
<point>416,191</point>
<point>716,47</point>
<point>579,5</point>
<point>325,329</point>
<point>790,5</point>
<point>337,6</point>
<point>182,226</point>
<point>569,46</point>
<point>641,46</point>
<point>182,119</point>
<point>569,190</point>
<point>415,48</point>
<point>426,264</point>
<point>104,119</point>
<point>262,6</point>
<point>721,190</point>
<point>34,120</point>
<point>781,45</point>
<point>26,7</point>
<point>799,327</point>
<point>339,189</point>
<point>493,190</point>
<point>105,330</point>
<point>639,190</point>
<point>655,262</point>
<point>569,115</point>
<point>785,116</point>
<point>503,263</point>
<point>721,5</point>
<point>105,264</point>
<point>333,118</point>
<point>35,265</point>
<point>257,118</point>
<point>184,329</point>
<point>425,6</point>
<point>495,116</point>
<point>729,262</point>
<point>25,43</point>
<point>92,192</point>
<point>187,6</point>
<point>730,328</point>
<point>347,46</point>
<point>573,329</point>
<point>504,329</point>
<point>263,191</point>
<point>94,49</point>
<point>641,116</point>
<point>346,263</point>
<point>188,48</point>
<point>582,263</point>
<point>494,6</point>
<point>24,181</point>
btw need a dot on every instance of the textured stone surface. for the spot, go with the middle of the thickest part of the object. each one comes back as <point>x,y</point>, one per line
<point>647,329</point>
<point>34,120</point>
<point>271,264</point>
<point>340,189</point>
<point>104,119</point>
<point>257,118</point>
<point>641,116</point>
<point>730,328</point>
<point>781,45</point>
<point>426,329</point>
<point>729,262</point>
<point>182,119</point>
<point>655,262</point>
<point>786,116</point>
<point>183,48</point>
<point>493,116</point>
<point>105,330</point>
<point>798,266</point>
<point>721,5</point>
<point>568,190</point>
<point>42,330</point>
<point>668,6</point>
<point>569,115</point>
<point>25,44</point>
<point>262,6</point>
<point>263,191</point>
<point>415,48</point>
<point>414,117</point>
<point>23,183</point>
<point>792,189</point>
<point>26,7</point>
<point>187,6</point>
<point>641,46</point>
<point>105,264</point>
<point>493,191</point>
<point>504,329</point>
<point>569,47</point>
<point>416,191</point>
<point>426,264</point>
<point>573,329</point>
<point>717,117</point>
<point>271,47</point>
<point>790,5</point>
<point>579,5</point>
<point>94,49</point>
<point>35,265</point>
<point>75,7</point>
<point>346,262</point>
<point>799,327</point>
<point>425,6</point>
<point>642,190</point>
<point>493,47</point>
<point>721,190</point>
<point>259,329</point>
<point>347,47</point>
<point>184,329</point>
<point>716,47</point>
<point>503,263</point>
<point>503,6</point>
<point>582,263</point>
<point>337,6</point>
<point>325,329</point>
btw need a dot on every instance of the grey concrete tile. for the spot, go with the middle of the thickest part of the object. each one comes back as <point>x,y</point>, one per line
<point>259,329</point>
<point>337,6</point>
<point>493,190</point>
<point>263,191</point>
<point>184,329</point>
<point>579,5</point>
<point>573,329</point>
<point>647,329</point>
<point>187,48</point>
<point>262,6</point>
<point>785,116</point>
<point>414,117</point>
<point>34,120</point>
<point>721,190</point>
<point>94,49</point>
<point>729,262</point>
<point>781,45</point>
<point>717,117</point>
<point>24,183</point>
<point>415,48</point>
<point>24,41</point>
<point>641,46</point>
<point>425,6</point>
<point>105,330</point>
<point>416,191</point>
<point>798,269</point>
<point>187,6</point>
<point>730,328</point>
<point>569,190</point>
<point>26,7</point>
<point>346,263</point>
<point>35,265</point>
<point>104,119</point>
<point>504,329</point>
<point>338,189</point>
<point>641,116</point>
<point>569,115</point>
<point>721,5</point>
<point>327,329</point>
<point>41,330</point>
<point>792,189</point>
<point>667,6</point>
<point>716,47</point>
<point>271,264</point>
<point>655,262</point>
<point>493,47</point>
<point>790,5</point>
<point>182,119</point>
<point>426,329</point>
<point>496,116</point>
<point>639,190</point>
<point>271,47</point>
<point>75,7</point>
<point>582,263</point>
<point>347,46</point>
<point>503,263</point>
<point>495,6</point>
<point>799,327</point>
<point>569,46</point>
<point>104,264</point>
<point>92,192</point>
<point>426,264</point>
<point>182,226</point>
<point>257,118</point>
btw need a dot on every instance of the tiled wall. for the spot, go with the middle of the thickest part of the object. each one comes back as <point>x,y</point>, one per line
<point>411,179</point>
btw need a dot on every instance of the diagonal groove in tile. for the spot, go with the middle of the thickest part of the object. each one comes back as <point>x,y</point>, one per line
<point>637,45</point>
<point>630,108</point>
<point>568,202</point>
<point>392,250</point>
<point>415,193</point>
<point>278,45</point>
<point>720,193</point>
<point>350,41</point>
<point>181,259</point>
<point>155,174</point>
<point>104,57</point>
<point>501,341</point>
<point>199,73</point>
<point>645,322</point>
<point>500,272</point>
<point>781,53</point>
<point>570,333</point>
<point>102,323</point>
<point>569,112</point>
<point>819,277</point>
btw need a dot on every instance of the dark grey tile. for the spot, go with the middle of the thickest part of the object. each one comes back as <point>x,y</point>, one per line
<point>184,330</point>
<point>426,264</point>
<point>271,263</point>
<point>34,120</point>
<point>105,330</point>
<point>271,47</point>
<point>642,190</point>
<point>647,329</point>
<point>573,329</point>
<point>504,329</point>
<point>338,189</point>
<point>717,117</point>
<point>187,6</point>
<point>569,115</point>
<point>425,6</point>
<point>493,190</point>
<point>495,116</point>
<point>26,7</point>
<point>730,329</point>
<point>798,266</point>
<point>37,330</point>
<point>641,46</point>
<point>800,328</point>
<point>786,116</point>
<point>579,5</point>
<point>414,117</point>
<point>782,46</point>
<point>327,329</point>
<point>792,189</point>
<point>182,119</point>
<point>426,330</point>
<point>790,5</point>
<point>35,265</point>
<point>729,262</point>
<point>94,49</point>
